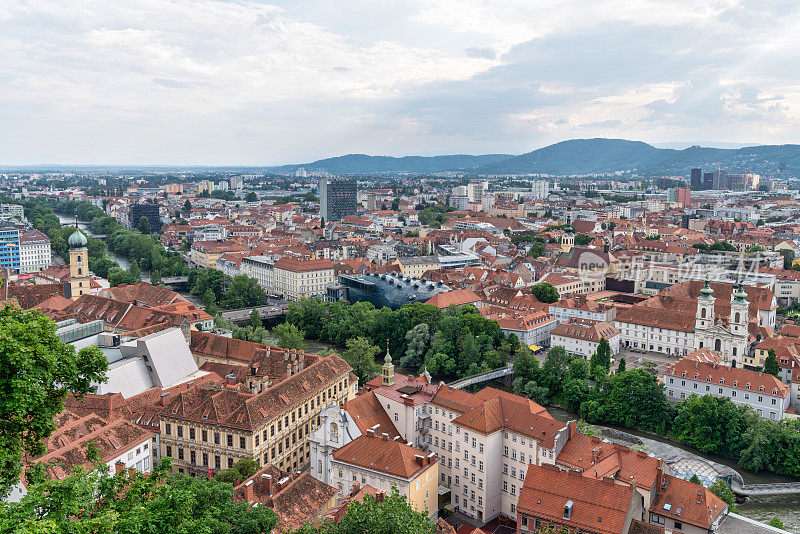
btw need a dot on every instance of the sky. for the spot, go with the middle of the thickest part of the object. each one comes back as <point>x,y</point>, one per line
<point>219,82</point>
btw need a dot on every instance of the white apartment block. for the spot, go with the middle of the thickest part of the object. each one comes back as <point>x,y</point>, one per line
<point>297,279</point>
<point>34,252</point>
<point>581,337</point>
<point>765,394</point>
<point>261,268</point>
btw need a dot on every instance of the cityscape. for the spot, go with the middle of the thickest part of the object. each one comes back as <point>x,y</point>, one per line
<point>524,308</point>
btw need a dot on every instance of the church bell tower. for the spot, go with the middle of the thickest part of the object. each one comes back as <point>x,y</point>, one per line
<point>78,263</point>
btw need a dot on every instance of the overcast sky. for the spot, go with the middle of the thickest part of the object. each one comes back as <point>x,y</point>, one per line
<point>251,82</point>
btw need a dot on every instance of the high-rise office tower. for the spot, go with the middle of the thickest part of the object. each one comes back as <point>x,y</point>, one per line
<point>697,180</point>
<point>721,180</point>
<point>708,180</point>
<point>337,198</point>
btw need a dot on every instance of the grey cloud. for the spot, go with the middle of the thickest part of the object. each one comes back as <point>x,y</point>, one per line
<point>485,53</point>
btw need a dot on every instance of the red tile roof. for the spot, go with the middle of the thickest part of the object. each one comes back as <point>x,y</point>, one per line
<point>687,502</point>
<point>597,505</point>
<point>391,457</point>
<point>731,377</point>
<point>585,329</point>
<point>506,413</point>
<point>368,413</point>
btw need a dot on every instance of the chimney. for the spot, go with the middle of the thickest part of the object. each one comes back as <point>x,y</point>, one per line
<point>379,497</point>
<point>659,475</point>
<point>119,466</point>
<point>420,460</point>
<point>595,454</point>
<point>356,488</point>
<point>573,427</point>
<point>408,401</point>
<point>384,437</point>
<point>248,491</point>
<point>266,480</point>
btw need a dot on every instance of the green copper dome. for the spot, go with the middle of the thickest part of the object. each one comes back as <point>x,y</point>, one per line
<point>706,292</point>
<point>77,240</point>
<point>740,294</point>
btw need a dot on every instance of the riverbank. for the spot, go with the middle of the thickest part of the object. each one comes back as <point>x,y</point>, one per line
<point>84,227</point>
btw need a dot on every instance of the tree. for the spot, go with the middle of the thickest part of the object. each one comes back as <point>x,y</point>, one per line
<point>392,516</point>
<point>134,273</point>
<point>545,292</point>
<point>38,371</point>
<point>417,340</point>
<point>771,364</point>
<point>241,471</point>
<point>695,479</point>
<point>713,425</point>
<point>243,292</point>
<point>155,278</point>
<point>602,356</point>
<point>788,257</point>
<point>187,207</point>
<point>251,197</point>
<point>777,523</point>
<point>582,239</point>
<point>255,319</point>
<point>578,368</point>
<point>360,354</point>
<point>721,489</point>
<point>143,225</point>
<point>289,336</point>
<point>95,501</point>
<point>611,226</point>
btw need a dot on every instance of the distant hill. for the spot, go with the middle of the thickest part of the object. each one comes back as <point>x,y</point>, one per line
<point>364,164</point>
<point>582,156</point>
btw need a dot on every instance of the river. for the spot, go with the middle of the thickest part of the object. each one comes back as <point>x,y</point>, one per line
<point>760,508</point>
<point>70,221</point>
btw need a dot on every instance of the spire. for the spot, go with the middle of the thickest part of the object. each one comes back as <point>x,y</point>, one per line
<point>387,372</point>
<point>706,292</point>
<point>739,295</point>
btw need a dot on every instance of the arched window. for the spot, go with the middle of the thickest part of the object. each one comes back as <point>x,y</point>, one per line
<point>334,432</point>
<point>703,313</point>
<point>737,317</point>
<point>701,345</point>
<point>79,271</point>
<point>718,345</point>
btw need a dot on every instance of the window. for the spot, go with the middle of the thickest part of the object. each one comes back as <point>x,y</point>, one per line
<point>169,451</point>
<point>230,440</point>
<point>216,438</point>
<point>204,435</point>
<point>180,431</point>
<point>191,433</point>
<point>168,429</point>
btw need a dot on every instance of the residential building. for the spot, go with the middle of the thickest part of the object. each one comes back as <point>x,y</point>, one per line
<point>385,464</point>
<point>262,269</point>
<point>120,444</point>
<point>581,337</point>
<point>208,429</point>
<point>416,266</point>
<point>455,297</point>
<point>34,252</point>
<point>204,254</point>
<point>583,306</point>
<point>337,198</point>
<point>532,329</point>
<point>9,211</point>
<point>297,279</point>
<point>540,189</point>
<point>298,499</point>
<point>681,506</point>
<point>765,394</point>
<point>559,498</point>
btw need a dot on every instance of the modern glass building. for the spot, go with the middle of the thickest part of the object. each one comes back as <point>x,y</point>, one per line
<point>9,246</point>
